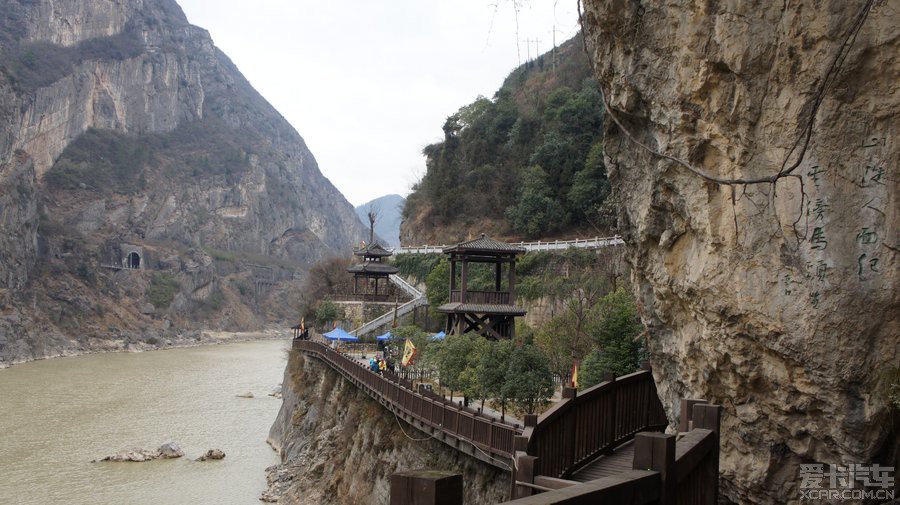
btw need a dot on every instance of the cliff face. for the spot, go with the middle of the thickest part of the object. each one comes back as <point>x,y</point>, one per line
<point>123,127</point>
<point>338,446</point>
<point>777,300</point>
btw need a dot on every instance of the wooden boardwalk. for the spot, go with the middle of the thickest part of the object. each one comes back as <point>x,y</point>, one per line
<point>620,461</point>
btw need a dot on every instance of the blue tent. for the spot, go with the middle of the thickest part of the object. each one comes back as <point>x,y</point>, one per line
<point>439,336</point>
<point>340,335</point>
<point>386,336</point>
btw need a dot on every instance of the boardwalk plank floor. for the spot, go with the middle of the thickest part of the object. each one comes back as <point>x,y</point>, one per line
<point>604,466</point>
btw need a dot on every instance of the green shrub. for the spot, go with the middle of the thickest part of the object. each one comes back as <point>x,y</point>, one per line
<point>328,311</point>
<point>529,382</point>
<point>416,266</point>
<point>214,301</point>
<point>163,288</point>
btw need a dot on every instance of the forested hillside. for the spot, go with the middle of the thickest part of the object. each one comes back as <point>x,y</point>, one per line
<point>527,163</point>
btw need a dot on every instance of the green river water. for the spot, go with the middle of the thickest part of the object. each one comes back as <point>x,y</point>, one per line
<point>57,415</point>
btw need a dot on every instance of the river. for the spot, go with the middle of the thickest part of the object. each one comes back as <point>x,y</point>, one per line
<point>57,415</point>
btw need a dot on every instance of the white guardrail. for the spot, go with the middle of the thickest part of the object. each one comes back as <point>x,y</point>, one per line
<point>555,245</point>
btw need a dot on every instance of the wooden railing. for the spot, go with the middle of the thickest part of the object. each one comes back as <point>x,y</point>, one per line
<point>580,428</point>
<point>490,440</point>
<point>492,297</point>
<point>682,471</point>
<point>667,469</point>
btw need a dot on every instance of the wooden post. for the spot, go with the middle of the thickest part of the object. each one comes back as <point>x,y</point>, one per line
<point>426,487</point>
<point>523,471</point>
<point>709,417</point>
<point>497,276</point>
<point>656,452</point>
<point>464,281</point>
<point>512,281</point>
<point>571,432</point>
<point>452,276</point>
<point>687,407</point>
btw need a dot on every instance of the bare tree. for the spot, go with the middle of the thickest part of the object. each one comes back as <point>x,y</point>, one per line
<point>372,214</point>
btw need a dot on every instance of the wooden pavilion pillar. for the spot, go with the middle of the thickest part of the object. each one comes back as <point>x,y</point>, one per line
<point>497,276</point>
<point>512,281</point>
<point>464,281</point>
<point>452,275</point>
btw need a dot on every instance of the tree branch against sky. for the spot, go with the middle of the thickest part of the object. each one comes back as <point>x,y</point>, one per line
<point>369,84</point>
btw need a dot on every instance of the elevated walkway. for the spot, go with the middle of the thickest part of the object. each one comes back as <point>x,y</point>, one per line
<point>418,300</point>
<point>592,447</point>
<point>464,429</point>
<point>555,245</point>
<point>619,461</point>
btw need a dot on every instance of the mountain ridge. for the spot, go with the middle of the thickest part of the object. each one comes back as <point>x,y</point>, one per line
<point>124,130</point>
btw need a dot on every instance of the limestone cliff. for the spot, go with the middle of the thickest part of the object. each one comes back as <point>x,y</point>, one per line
<point>124,129</point>
<point>338,446</point>
<point>776,299</point>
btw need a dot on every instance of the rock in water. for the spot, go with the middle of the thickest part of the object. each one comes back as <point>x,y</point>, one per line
<point>131,454</point>
<point>212,454</point>
<point>776,300</point>
<point>169,450</point>
<point>245,395</point>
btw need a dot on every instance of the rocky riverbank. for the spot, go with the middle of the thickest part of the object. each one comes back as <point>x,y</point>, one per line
<point>134,343</point>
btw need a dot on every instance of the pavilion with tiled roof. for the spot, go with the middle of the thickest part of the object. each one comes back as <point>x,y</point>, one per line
<point>373,270</point>
<point>490,313</point>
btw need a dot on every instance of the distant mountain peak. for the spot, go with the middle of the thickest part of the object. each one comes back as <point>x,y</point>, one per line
<point>389,209</point>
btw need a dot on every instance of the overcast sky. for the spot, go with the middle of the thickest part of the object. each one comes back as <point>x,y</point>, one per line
<point>369,83</point>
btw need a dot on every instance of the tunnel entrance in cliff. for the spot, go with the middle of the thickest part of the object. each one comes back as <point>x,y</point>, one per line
<point>133,261</point>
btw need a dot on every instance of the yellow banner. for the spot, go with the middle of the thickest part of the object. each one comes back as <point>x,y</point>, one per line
<point>409,352</point>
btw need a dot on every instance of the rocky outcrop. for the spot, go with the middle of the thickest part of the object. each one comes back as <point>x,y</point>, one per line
<point>123,128</point>
<point>169,450</point>
<point>778,299</point>
<point>212,454</point>
<point>338,446</point>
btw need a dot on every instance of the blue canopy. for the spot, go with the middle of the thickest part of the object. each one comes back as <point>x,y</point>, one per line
<point>340,335</point>
<point>439,336</point>
<point>386,336</point>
